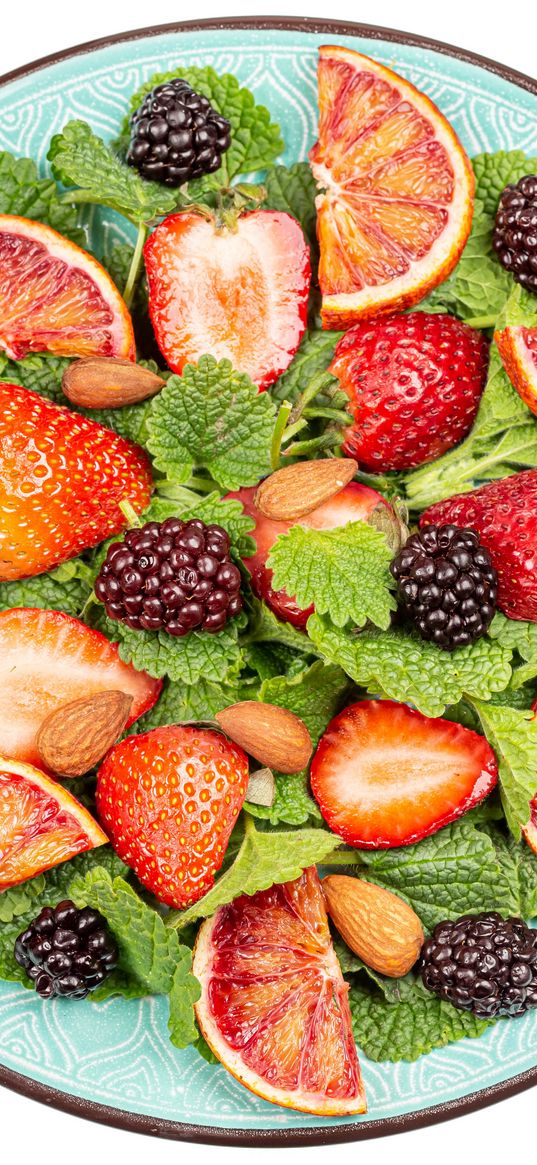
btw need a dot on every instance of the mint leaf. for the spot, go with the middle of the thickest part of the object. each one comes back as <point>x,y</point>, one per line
<point>197,654</point>
<point>521,637</point>
<point>214,417</point>
<point>343,572</point>
<point>410,1028</point>
<point>264,859</point>
<point>400,665</point>
<point>454,872</point>
<point>512,734</point>
<point>479,285</point>
<point>78,157</point>
<point>182,702</point>
<point>315,696</point>
<point>185,992</point>
<point>264,627</point>
<point>314,355</point>
<point>24,193</point>
<point>64,589</point>
<point>255,140</point>
<point>42,374</point>
<point>293,189</point>
<point>495,171</point>
<point>517,885</point>
<point>226,512</point>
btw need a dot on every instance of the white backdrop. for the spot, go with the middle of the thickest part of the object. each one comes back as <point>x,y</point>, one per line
<point>505,32</point>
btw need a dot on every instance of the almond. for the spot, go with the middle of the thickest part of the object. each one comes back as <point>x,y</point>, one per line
<point>376,924</point>
<point>274,736</point>
<point>108,382</point>
<point>296,490</point>
<point>77,735</point>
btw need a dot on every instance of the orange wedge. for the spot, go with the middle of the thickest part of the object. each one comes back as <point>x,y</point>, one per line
<point>55,297</point>
<point>518,350</point>
<point>398,189</point>
<point>41,823</point>
<point>273,1003</point>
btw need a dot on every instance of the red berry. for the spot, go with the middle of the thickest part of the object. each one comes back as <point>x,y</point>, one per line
<point>504,514</point>
<point>63,478</point>
<point>169,799</point>
<point>414,383</point>
<point>385,775</point>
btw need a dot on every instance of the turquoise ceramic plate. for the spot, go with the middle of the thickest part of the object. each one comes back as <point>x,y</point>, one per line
<point>113,1061</point>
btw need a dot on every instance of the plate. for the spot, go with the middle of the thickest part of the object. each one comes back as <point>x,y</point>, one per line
<point>113,1062</point>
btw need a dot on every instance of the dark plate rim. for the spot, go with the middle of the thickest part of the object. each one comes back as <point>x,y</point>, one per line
<point>268,1138</point>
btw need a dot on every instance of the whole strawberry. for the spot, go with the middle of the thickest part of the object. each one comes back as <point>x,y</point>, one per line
<point>504,514</point>
<point>168,800</point>
<point>62,479</point>
<point>414,383</point>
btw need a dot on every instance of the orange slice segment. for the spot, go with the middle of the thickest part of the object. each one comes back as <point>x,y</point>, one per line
<point>397,190</point>
<point>518,350</point>
<point>55,297</point>
<point>41,823</point>
<point>273,1004</point>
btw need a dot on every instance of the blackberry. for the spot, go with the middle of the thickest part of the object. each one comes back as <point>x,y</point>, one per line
<point>515,231</point>
<point>176,135</point>
<point>173,576</point>
<point>66,951</point>
<point>482,963</point>
<point>448,585</point>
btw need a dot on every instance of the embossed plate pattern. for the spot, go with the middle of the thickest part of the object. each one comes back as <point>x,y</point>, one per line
<point>118,1054</point>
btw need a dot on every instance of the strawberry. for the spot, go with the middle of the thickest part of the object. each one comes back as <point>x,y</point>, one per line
<point>169,799</point>
<point>48,659</point>
<point>385,775</point>
<point>62,478</point>
<point>354,503</point>
<point>414,383</point>
<point>504,514</point>
<point>238,293</point>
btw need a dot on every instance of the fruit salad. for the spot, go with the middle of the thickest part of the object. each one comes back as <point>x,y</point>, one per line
<point>268,579</point>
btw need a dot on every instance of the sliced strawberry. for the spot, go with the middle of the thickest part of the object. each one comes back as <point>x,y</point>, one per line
<point>354,503</point>
<point>385,775</point>
<point>48,659</point>
<point>240,294</point>
<point>62,480</point>
<point>169,799</point>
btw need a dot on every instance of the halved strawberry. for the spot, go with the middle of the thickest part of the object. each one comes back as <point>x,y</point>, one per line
<point>47,659</point>
<point>239,293</point>
<point>385,775</point>
<point>354,503</point>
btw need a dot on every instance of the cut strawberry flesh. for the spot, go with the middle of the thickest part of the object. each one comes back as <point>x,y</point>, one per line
<point>276,994</point>
<point>36,832</point>
<point>385,775</point>
<point>240,295</point>
<point>48,659</point>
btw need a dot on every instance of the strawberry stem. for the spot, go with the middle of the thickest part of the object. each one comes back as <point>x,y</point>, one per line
<point>129,514</point>
<point>136,262</point>
<point>321,382</point>
<point>305,448</point>
<point>277,436</point>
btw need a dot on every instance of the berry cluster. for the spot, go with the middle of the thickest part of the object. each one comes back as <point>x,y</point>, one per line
<point>483,963</point>
<point>176,135</point>
<point>174,576</point>
<point>66,951</point>
<point>515,231</point>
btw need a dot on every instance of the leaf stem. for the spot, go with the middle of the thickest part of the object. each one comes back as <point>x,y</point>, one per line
<point>344,857</point>
<point>130,515</point>
<point>277,436</point>
<point>325,441</point>
<point>136,262</point>
<point>318,383</point>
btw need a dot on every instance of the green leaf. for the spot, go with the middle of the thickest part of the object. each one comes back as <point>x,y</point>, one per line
<point>512,734</point>
<point>406,668</point>
<point>65,589</point>
<point>226,512</point>
<point>184,994</point>
<point>495,171</point>
<point>187,659</point>
<point>479,285</point>
<point>42,374</point>
<point>80,158</point>
<point>517,885</point>
<point>23,193</point>
<point>293,189</point>
<point>454,872</point>
<point>255,140</point>
<point>343,572</point>
<point>519,636</point>
<point>183,702</point>
<point>264,859</point>
<point>214,417</point>
<point>410,1028</point>
<point>315,696</point>
<point>315,353</point>
<point>264,627</point>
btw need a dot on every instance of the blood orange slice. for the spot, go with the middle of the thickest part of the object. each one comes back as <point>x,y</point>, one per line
<point>398,190</point>
<point>273,1004</point>
<point>518,349</point>
<point>54,297</point>
<point>42,824</point>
